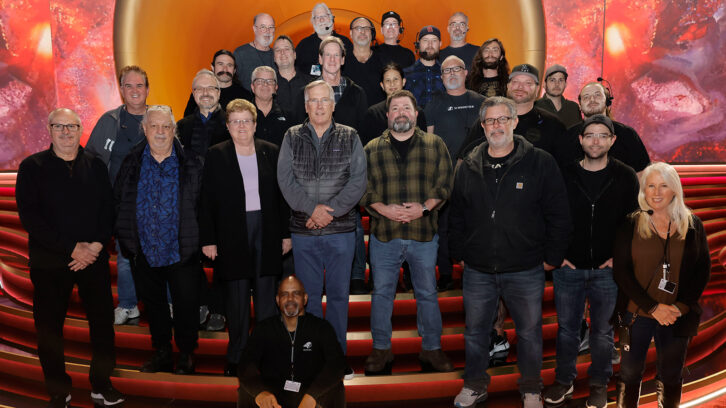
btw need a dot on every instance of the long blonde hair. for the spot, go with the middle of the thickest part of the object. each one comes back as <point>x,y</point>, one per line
<point>677,210</point>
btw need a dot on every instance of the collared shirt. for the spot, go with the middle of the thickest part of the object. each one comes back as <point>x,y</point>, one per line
<point>423,81</point>
<point>339,89</point>
<point>425,173</point>
<point>157,209</point>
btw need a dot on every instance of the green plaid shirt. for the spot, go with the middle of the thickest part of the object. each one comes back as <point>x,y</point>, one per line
<point>425,173</point>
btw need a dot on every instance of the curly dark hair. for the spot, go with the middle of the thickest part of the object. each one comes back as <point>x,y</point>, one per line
<point>476,75</point>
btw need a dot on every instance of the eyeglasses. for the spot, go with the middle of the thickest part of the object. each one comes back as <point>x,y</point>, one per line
<point>282,50</point>
<point>238,122</point>
<point>502,120</point>
<point>459,25</point>
<point>361,29</point>
<point>266,28</point>
<point>71,127</point>
<point>317,101</point>
<point>202,89</point>
<point>390,25</point>
<point>452,70</point>
<point>596,136</point>
<point>261,81</point>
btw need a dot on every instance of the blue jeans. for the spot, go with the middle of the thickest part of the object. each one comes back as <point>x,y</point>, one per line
<point>572,286</point>
<point>522,293</point>
<point>325,260</point>
<point>359,259</point>
<point>386,260</point>
<point>670,352</point>
<point>124,281</point>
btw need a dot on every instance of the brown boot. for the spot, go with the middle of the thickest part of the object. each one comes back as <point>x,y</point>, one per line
<point>435,360</point>
<point>379,362</point>
<point>669,396</point>
<point>628,395</point>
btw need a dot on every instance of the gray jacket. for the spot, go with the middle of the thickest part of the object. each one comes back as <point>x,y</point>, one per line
<point>330,171</point>
<point>104,135</point>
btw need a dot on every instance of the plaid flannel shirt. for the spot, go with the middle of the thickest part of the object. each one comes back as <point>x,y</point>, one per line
<point>426,173</point>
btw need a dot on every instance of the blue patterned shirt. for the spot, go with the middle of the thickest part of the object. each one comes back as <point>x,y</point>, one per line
<point>423,81</point>
<point>157,209</point>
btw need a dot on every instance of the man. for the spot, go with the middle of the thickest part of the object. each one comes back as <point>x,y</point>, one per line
<point>65,203</point>
<point>409,176</point>
<point>554,101</point>
<point>290,81</point>
<point>423,78</point>
<point>156,198</point>
<point>224,67</point>
<point>115,133</point>
<point>602,192</point>
<point>272,122</point>
<point>206,126</point>
<point>390,50</point>
<point>457,27</point>
<point>256,53</point>
<point>364,66</point>
<point>628,148</point>
<point>489,70</point>
<point>508,223</point>
<point>322,175</point>
<point>310,375</point>
<point>449,116</point>
<point>308,48</point>
<point>540,127</point>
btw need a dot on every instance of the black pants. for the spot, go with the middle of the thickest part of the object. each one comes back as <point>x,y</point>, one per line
<point>183,280</point>
<point>334,398</point>
<point>443,259</point>
<point>213,295</point>
<point>238,293</point>
<point>51,294</point>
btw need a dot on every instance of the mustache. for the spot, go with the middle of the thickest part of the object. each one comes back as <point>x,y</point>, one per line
<point>222,73</point>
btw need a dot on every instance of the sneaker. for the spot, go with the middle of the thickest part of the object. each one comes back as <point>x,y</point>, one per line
<point>497,344</point>
<point>557,394</point>
<point>203,314</point>
<point>160,361</point>
<point>598,397</point>
<point>469,398</point>
<point>108,397</point>
<point>59,401</point>
<point>358,287</point>
<point>122,315</point>
<point>216,322</point>
<point>435,360</point>
<point>445,283</point>
<point>349,373</point>
<point>615,359</point>
<point>171,311</point>
<point>185,364</point>
<point>531,400</point>
<point>379,362</point>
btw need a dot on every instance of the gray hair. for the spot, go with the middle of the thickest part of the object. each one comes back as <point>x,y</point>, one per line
<point>54,112</point>
<point>323,6</point>
<point>497,101</point>
<point>205,72</point>
<point>159,108</point>
<point>454,58</point>
<point>319,82</point>
<point>263,68</point>
<point>461,14</point>
<point>254,21</point>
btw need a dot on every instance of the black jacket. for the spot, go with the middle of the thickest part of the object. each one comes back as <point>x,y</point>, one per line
<point>628,148</point>
<point>349,110</point>
<point>125,192</point>
<point>513,225</point>
<point>596,219</point>
<point>60,206</point>
<point>319,360</point>
<point>694,276</point>
<point>197,136</point>
<point>222,220</point>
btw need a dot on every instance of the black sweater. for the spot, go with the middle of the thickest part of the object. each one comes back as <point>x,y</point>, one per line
<point>265,361</point>
<point>60,206</point>
<point>197,137</point>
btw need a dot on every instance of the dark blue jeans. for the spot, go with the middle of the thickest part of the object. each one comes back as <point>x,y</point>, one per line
<point>670,352</point>
<point>522,293</point>
<point>572,287</point>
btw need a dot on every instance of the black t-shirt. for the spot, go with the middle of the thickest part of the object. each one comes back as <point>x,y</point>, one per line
<point>451,117</point>
<point>395,53</point>
<point>593,180</point>
<point>489,87</point>
<point>465,52</point>
<point>367,75</point>
<point>401,146</point>
<point>288,94</point>
<point>499,164</point>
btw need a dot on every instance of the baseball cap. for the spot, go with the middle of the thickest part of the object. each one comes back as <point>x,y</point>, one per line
<point>525,69</point>
<point>599,119</point>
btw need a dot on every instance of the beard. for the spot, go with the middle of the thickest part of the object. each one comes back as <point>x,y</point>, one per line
<point>401,124</point>
<point>589,110</point>
<point>291,309</point>
<point>429,55</point>
<point>224,76</point>
<point>491,64</point>
<point>323,29</point>
<point>453,83</point>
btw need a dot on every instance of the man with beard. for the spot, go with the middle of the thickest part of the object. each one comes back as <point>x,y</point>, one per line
<point>363,66</point>
<point>423,78</point>
<point>409,176</point>
<point>449,116</point>
<point>554,101</point>
<point>291,360</point>
<point>225,68</point>
<point>627,147</point>
<point>489,70</point>
<point>509,222</point>
<point>207,125</point>
<point>390,50</point>
<point>256,53</point>
<point>307,49</point>
<point>602,192</point>
<point>271,120</point>
<point>458,27</point>
<point>290,81</point>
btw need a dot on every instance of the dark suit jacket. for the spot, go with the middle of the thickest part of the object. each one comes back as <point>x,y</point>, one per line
<point>222,219</point>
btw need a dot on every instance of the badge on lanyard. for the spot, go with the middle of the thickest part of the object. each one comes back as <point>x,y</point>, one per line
<point>292,386</point>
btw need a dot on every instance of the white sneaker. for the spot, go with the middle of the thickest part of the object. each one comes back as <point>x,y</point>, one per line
<point>531,400</point>
<point>469,398</point>
<point>121,315</point>
<point>171,311</point>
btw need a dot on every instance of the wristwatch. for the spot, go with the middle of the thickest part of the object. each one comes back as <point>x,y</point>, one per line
<point>426,211</point>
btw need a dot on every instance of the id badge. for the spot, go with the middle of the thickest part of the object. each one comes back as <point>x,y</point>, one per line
<point>667,286</point>
<point>292,386</point>
<point>315,70</point>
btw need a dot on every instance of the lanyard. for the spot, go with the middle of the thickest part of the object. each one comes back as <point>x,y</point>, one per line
<point>666,253</point>
<point>292,353</point>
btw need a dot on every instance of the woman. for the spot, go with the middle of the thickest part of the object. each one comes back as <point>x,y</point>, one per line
<point>661,264</point>
<point>243,223</point>
<point>489,70</point>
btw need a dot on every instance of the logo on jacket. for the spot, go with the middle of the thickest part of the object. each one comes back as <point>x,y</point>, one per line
<point>519,185</point>
<point>308,346</point>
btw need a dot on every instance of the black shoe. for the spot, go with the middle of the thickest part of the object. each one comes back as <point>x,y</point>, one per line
<point>230,370</point>
<point>349,373</point>
<point>160,361</point>
<point>59,401</point>
<point>107,397</point>
<point>358,287</point>
<point>185,364</point>
<point>445,283</point>
<point>216,322</point>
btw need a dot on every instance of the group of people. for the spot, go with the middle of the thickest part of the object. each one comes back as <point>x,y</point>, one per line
<point>454,159</point>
